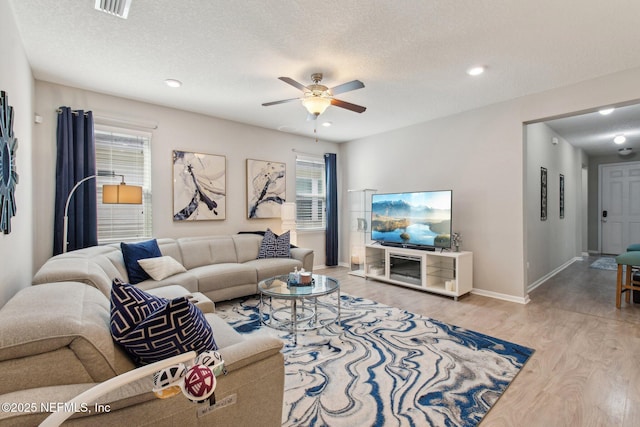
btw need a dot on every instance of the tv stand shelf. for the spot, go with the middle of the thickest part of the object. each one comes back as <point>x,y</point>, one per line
<point>445,273</point>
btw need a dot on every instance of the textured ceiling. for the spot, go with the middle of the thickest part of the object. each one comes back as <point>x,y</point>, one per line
<point>411,55</point>
<point>594,132</point>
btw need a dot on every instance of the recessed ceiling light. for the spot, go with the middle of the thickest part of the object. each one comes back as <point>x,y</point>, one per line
<point>606,111</point>
<point>327,124</point>
<point>475,71</point>
<point>619,139</point>
<point>173,83</point>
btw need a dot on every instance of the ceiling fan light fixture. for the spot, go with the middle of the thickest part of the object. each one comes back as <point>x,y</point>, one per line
<point>316,105</point>
<point>606,111</point>
<point>624,151</point>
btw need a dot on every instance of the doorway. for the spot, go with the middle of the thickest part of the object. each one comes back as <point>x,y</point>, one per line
<point>619,206</point>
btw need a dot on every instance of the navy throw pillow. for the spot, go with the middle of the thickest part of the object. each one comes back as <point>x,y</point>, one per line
<point>130,306</point>
<point>157,328</point>
<point>132,252</point>
<point>273,246</point>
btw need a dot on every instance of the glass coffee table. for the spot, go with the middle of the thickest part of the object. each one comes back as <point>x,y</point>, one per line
<point>295,308</point>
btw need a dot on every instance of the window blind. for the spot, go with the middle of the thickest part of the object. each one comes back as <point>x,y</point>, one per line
<point>310,193</point>
<point>127,153</point>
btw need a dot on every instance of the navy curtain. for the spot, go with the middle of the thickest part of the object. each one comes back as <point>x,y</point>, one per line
<point>75,160</point>
<point>332,209</point>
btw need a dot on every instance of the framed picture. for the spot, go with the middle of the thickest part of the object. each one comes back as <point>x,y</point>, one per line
<point>561,196</point>
<point>199,186</point>
<point>266,188</point>
<point>543,194</point>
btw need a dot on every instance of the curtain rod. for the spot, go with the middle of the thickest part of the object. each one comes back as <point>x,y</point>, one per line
<point>115,120</point>
<point>74,112</point>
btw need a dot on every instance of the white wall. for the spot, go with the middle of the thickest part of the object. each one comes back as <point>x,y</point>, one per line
<point>468,153</point>
<point>16,80</point>
<point>555,241</point>
<point>176,130</point>
<point>478,154</point>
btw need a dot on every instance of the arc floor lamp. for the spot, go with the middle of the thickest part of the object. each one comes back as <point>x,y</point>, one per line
<point>111,194</point>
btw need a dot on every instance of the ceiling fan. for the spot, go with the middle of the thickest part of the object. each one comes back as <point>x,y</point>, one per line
<point>318,97</point>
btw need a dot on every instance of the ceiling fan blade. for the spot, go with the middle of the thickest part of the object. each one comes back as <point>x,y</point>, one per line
<point>348,106</point>
<point>294,83</point>
<point>346,87</point>
<point>266,104</point>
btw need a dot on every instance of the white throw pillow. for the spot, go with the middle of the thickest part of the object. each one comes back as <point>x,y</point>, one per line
<point>161,267</point>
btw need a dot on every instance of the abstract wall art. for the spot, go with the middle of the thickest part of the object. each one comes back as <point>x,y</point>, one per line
<point>266,188</point>
<point>543,194</point>
<point>561,196</point>
<point>199,186</point>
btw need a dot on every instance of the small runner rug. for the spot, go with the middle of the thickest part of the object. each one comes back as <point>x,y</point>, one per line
<point>386,367</point>
<point>605,263</point>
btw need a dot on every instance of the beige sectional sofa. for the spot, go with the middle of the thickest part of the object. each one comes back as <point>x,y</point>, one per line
<point>220,267</point>
<point>55,338</point>
<point>55,343</point>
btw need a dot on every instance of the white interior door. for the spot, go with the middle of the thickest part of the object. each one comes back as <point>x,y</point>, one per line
<point>620,206</point>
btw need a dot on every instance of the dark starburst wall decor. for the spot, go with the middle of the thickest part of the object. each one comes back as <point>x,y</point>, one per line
<point>8,174</point>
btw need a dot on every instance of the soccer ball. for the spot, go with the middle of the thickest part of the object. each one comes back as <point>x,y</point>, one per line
<point>199,383</point>
<point>166,383</point>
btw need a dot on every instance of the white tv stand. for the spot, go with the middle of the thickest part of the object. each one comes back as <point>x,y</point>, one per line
<point>423,270</point>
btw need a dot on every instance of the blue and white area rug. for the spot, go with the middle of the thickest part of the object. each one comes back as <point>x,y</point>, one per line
<point>605,263</point>
<point>386,367</point>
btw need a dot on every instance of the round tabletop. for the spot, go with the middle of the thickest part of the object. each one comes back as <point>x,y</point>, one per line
<point>279,287</point>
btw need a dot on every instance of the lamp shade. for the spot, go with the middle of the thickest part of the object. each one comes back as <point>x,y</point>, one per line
<point>122,194</point>
<point>316,104</point>
<point>288,212</point>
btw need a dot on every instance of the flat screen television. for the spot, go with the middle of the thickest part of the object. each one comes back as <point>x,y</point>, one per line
<point>419,220</point>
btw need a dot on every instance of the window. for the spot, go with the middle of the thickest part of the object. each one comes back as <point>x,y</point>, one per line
<point>123,152</point>
<point>310,193</point>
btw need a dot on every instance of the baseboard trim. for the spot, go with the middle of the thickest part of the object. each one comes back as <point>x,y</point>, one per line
<point>549,275</point>
<point>504,297</point>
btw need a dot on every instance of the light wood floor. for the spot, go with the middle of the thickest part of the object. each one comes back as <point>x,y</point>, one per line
<point>586,367</point>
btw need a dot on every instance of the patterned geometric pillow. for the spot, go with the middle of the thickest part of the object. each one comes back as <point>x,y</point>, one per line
<point>130,306</point>
<point>132,252</point>
<point>273,246</point>
<point>175,327</point>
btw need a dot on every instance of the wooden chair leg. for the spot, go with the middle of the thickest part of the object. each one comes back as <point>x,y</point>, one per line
<point>627,285</point>
<point>619,286</point>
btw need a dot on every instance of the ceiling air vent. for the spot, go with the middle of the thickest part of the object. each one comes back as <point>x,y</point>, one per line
<point>119,8</point>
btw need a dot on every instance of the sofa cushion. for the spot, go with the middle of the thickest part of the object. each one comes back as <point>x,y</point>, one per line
<point>270,267</point>
<point>161,267</point>
<point>220,276</point>
<point>132,252</point>
<point>173,327</point>
<point>65,325</point>
<point>201,251</point>
<point>273,246</point>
